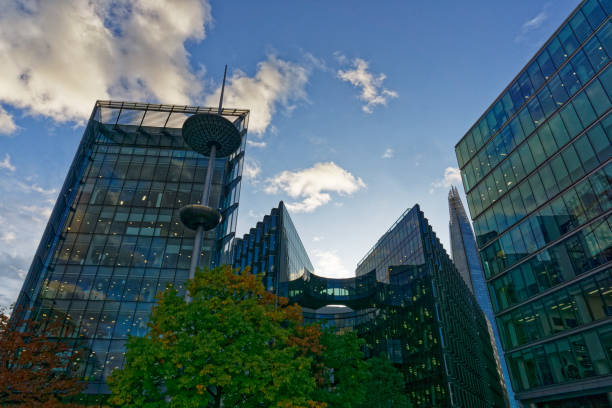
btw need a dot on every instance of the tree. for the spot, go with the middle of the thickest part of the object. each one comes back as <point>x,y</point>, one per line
<point>385,386</point>
<point>234,345</point>
<point>34,368</point>
<point>348,380</point>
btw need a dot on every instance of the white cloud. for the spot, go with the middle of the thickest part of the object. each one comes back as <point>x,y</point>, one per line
<point>317,239</point>
<point>276,83</point>
<point>532,24</point>
<point>327,263</point>
<point>314,185</point>
<point>256,144</point>
<point>34,188</point>
<point>251,170</point>
<point>535,22</point>
<point>22,227</point>
<point>6,163</point>
<point>7,125</point>
<point>388,153</point>
<point>58,57</point>
<point>8,236</point>
<point>372,91</point>
<point>452,175</point>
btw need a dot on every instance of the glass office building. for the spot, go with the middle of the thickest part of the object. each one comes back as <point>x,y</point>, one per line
<point>466,260</point>
<point>536,170</point>
<point>114,238</point>
<point>408,302</point>
<point>274,250</point>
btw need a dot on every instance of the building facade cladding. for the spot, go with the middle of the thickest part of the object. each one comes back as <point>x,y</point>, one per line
<point>537,172</point>
<point>466,260</point>
<point>274,250</point>
<point>407,301</point>
<point>114,238</point>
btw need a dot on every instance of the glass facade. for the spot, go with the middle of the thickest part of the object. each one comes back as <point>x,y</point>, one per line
<point>407,301</point>
<point>466,260</point>
<point>536,170</point>
<point>115,239</point>
<point>274,250</point>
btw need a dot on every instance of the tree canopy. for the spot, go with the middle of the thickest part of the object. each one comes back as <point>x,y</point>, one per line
<point>34,368</point>
<point>236,345</point>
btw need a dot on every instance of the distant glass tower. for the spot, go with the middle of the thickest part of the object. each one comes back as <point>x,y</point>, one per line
<point>407,301</point>
<point>537,172</point>
<point>466,260</point>
<point>115,237</point>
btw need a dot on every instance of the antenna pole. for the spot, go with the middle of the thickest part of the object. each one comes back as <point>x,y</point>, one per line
<point>222,89</point>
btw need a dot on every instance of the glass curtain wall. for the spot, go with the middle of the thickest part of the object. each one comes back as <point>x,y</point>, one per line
<point>537,172</point>
<point>115,239</point>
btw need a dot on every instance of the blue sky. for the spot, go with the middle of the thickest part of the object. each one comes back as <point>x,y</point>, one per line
<point>355,106</point>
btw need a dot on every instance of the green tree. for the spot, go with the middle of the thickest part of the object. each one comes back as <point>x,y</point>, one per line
<point>385,386</point>
<point>350,381</point>
<point>234,345</point>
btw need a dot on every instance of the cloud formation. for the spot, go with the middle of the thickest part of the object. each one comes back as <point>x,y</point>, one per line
<point>252,143</point>
<point>22,227</point>
<point>532,24</point>
<point>388,153</point>
<point>7,125</point>
<point>276,83</point>
<point>327,263</point>
<point>58,57</point>
<point>313,185</point>
<point>251,170</point>
<point>372,91</point>
<point>452,175</point>
<point>6,163</point>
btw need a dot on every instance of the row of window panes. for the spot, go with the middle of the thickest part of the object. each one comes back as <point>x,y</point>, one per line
<point>555,94</point>
<point>567,308</point>
<point>144,193</point>
<point>126,284</point>
<point>169,162</point>
<point>551,58</point>
<point>400,244</point>
<point>584,154</point>
<point>579,158</point>
<point>112,220</point>
<point>117,250</point>
<point>575,207</point>
<point>129,135</point>
<point>126,167</point>
<point>406,226</point>
<point>550,137</point>
<point>101,148</point>
<point>580,253</point>
<point>584,355</point>
<point>95,320</point>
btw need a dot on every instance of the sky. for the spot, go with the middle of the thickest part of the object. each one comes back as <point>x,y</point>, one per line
<point>355,106</point>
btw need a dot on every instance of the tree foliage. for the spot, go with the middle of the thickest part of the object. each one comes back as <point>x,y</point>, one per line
<point>236,345</point>
<point>351,381</point>
<point>34,368</point>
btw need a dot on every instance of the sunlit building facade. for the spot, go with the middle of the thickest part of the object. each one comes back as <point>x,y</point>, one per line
<point>114,238</point>
<point>467,261</point>
<point>407,301</point>
<point>536,170</point>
